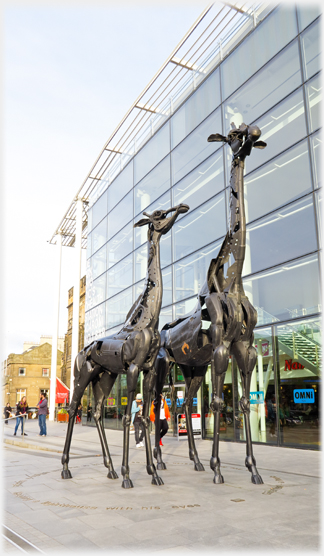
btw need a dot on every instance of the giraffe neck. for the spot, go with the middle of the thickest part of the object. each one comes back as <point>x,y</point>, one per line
<point>237,225</point>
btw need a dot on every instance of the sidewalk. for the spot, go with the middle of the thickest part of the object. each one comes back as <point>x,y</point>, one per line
<point>188,514</point>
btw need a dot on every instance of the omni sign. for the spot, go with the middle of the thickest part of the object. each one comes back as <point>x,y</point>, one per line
<point>305,395</point>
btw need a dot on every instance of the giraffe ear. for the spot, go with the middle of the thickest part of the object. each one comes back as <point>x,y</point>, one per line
<point>216,137</point>
<point>260,145</point>
<point>141,222</point>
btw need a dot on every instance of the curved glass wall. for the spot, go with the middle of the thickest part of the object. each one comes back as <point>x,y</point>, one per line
<point>272,78</point>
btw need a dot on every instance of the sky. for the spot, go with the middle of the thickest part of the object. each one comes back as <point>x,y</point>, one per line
<point>70,72</point>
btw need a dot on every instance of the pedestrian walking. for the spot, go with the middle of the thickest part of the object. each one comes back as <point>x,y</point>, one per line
<point>89,412</point>
<point>42,412</point>
<point>7,412</point>
<point>22,409</point>
<point>164,416</point>
<point>137,412</point>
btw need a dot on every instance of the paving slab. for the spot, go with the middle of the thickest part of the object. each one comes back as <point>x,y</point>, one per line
<point>188,514</point>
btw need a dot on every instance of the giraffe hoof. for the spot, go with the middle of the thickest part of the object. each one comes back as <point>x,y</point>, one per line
<point>218,479</point>
<point>66,474</point>
<point>156,480</point>
<point>112,474</point>
<point>257,479</point>
<point>199,466</point>
<point>161,465</point>
<point>127,483</point>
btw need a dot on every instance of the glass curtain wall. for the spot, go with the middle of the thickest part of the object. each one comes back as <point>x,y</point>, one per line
<point>279,89</point>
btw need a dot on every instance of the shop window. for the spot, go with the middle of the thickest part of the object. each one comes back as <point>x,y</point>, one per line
<point>298,368</point>
<point>20,394</point>
<point>45,373</point>
<point>22,371</point>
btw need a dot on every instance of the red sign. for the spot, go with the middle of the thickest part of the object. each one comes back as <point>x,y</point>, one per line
<point>291,365</point>
<point>62,392</point>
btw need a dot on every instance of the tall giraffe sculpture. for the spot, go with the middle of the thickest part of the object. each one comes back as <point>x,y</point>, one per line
<point>133,349</point>
<point>223,303</point>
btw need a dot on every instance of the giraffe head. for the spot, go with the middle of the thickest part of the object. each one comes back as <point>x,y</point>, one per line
<point>241,140</point>
<point>159,221</point>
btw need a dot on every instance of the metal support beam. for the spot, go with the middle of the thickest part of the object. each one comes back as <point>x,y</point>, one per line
<point>55,333</point>
<point>76,291</point>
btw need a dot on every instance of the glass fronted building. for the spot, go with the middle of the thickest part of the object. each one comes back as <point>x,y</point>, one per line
<point>272,77</point>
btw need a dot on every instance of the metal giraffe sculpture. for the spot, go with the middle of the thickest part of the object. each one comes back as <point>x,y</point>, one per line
<point>222,302</point>
<point>133,349</point>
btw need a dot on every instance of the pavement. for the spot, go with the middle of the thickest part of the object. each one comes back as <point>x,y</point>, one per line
<point>188,514</point>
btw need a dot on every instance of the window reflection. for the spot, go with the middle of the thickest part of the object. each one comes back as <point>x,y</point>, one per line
<point>274,33</point>
<point>120,276</point>
<point>120,186</point>
<point>283,126</point>
<point>120,215</point>
<point>152,186</point>
<point>198,227</point>
<point>117,308</point>
<point>273,82</point>
<point>311,49</point>
<point>190,273</point>
<point>195,148</point>
<point>284,235</point>
<point>280,293</point>
<point>281,181</point>
<point>314,97</point>
<point>202,183</point>
<point>120,245</point>
<point>156,149</point>
<point>195,109</point>
<point>185,307</point>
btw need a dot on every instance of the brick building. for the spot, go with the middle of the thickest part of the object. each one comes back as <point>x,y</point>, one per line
<point>66,359</point>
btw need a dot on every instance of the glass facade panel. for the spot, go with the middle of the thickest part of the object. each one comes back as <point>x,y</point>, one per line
<point>165,316</point>
<point>261,45</point>
<point>198,106</point>
<point>319,213</point>
<point>286,234</point>
<point>117,308</point>
<point>316,146</point>
<point>149,156</point>
<point>314,97</point>
<point>283,126</point>
<point>167,286</point>
<point>189,234</point>
<point>120,276</point>
<point>185,307</point>
<point>273,82</point>
<point>307,13</point>
<point>298,347</point>
<point>311,49</point>
<point>99,290</point>
<point>202,183</point>
<point>99,209</point>
<point>99,235</point>
<point>120,186</point>
<point>190,273</point>
<point>98,262</point>
<point>280,293</point>
<point>277,183</point>
<point>195,148</point>
<point>120,215</point>
<point>140,262</point>
<point>120,245</point>
<point>152,186</point>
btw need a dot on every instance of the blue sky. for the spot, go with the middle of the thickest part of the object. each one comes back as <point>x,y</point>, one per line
<point>70,73</point>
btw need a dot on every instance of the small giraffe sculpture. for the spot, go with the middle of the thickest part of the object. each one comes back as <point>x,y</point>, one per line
<point>133,349</point>
<point>223,303</point>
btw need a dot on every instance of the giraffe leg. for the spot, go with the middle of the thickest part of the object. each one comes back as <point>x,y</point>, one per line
<point>194,377</point>
<point>218,370</point>
<point>83,374</point>
<point>162,365</point>
<point>245,355</point>
<point>132,376</point>
<point>147,390</point>
<point>101,389</point>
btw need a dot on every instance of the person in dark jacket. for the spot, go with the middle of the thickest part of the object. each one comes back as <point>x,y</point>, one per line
<point>7,412</point>
<point>22,409</point>
<point>42,412</point>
